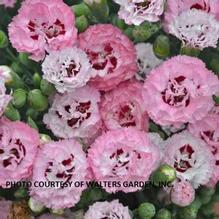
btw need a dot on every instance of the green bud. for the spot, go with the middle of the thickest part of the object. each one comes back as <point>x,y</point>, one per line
<point>119,22</point>
<point>45,138</point>
<point>196,203</point>
<point>190,51</point>
<point>208,209</point>
<point>21,193</point>
<point>146,210</point>
<point>24,59</point>
<point>19,98</point>
<point>216,99</point>
<point>163,214</point>
<point>205,194</point>
<point>128,32</point>
<point>35,206</point>
<point>3,39</point>
<point>12,113</point>
<point>99,8</point>
<point>81,9</point>
<point>188,212</point>
<point>214,65</point>
<point>144,31</point>
<point>81,23</point>
<point>16,67</point>
<point>164,174</point>
<point>162,47</point>
<point>46,87</point>
<point>15,81</point>
<point>31,123</point>
<point>32,113</point>
<point>36,80</point>
<point>57,212</point>
<point>37,100</point>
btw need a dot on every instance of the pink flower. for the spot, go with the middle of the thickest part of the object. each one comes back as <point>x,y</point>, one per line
<point>42,26</point>
<point>176,7</point>
<point>191,158</point>
<point>109,210</point>
<point>137,11</point>
<point>8,3</point>
<point>208,130</point>
<point>112,55</point>
<point>179,91</point>
<point>18,148</point>
<point>4,98</point>
<point>182,193</point>
<point>63,162</point>
<point>4,208</point>
<point>75,114</point>
<point>122,107</point>
<point>123,155</point>
<point>196,29</point>
<point>67,69</point>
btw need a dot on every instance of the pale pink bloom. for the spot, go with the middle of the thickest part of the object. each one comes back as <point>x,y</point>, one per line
<point>112,55</point>
<point>191,158</point>
<point>137,11</point>
<point>8,3</point>
<point>182,193</point>
<point>123,155</point>
<point>122,107</point>
<point>208,130</point>
<point>196,29</point>
<point>179,91</point>
<point>67,69</point>
<point>4,98</point>
<point>4,208</point>
<point>146,60</point>
<point>75,114</point>
<point>64,162</point>
<point>175,7</point>
<point>109,210</point>
<point>18,148</point>
<point>42,26</point>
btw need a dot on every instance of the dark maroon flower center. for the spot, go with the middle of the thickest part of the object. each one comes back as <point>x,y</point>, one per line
<point>111,215</point>
<point>61,171</point>
<point>209,135</point>
<point>184,160</point>
<point>73,69</point>
<point>215,152</point>
<point>176,93</point>
<point>124,115</point>
<point>103,59</point>
<point>48,31</point>
<point>203,7</point>
<point>142,5</point>
<point>13,154</point>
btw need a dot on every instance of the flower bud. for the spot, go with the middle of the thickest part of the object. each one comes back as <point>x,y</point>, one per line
<point>46,87</point>
<point>21,193</point>
<point>24,59</point>
<point>164,174</point>
<point>81,9</point>
<point>36,80</point>
<point>214,64</point>
<point>6,72</point>
<point>146,211</point>
<point>35,206</point>
<point>19,98</point>
<point>207,210</point>
<point>205,194</point>
<point>31,123</point>
<point>163,214</point>
<point>81,23</point>
<point>12,113</point>
<point>162,47</point>
<point>144,31</point>
<point>37,100</point>
<point>119,22</point>
<point>44,138</point>
<point>189,51</point>
<point>3,39</point>
<point>32,113</point>
<point>16,67</point>
<point>99,8</point>
<point>128,32</point>
<point>58,212</point>
<point>15,82</point>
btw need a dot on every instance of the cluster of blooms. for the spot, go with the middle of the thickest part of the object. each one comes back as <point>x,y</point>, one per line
<point>99,102</point>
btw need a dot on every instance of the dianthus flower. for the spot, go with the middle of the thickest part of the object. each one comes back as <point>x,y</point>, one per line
<point>123,155</point>
<point>109,210</point>
<point>179,91</point>
<point>18,148</point>
<point>8,3</point>
<point>42,26</point>
<point>64,162</point>
<point>112,55</point>
<point>75,114</point>
<point>67,69</point>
